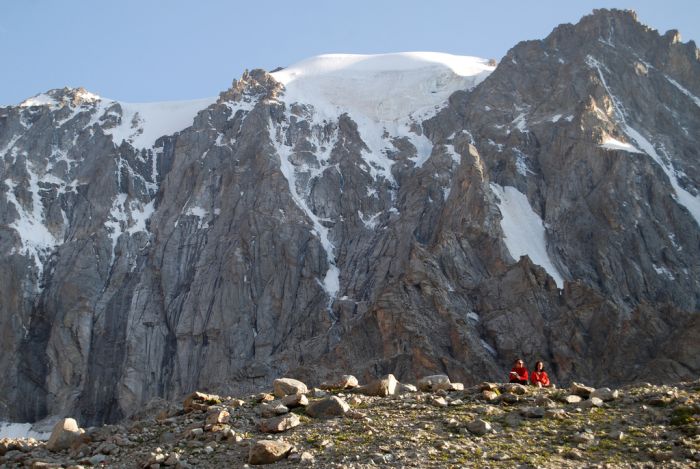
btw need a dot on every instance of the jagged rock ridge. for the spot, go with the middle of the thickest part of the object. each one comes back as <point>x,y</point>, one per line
<point>276,235</point>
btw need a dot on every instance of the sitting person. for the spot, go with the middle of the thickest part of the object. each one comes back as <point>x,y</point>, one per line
<point>518,374</point>
<point>539,377</point>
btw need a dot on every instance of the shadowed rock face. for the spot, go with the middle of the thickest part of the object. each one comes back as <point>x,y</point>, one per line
<point>207,261</point>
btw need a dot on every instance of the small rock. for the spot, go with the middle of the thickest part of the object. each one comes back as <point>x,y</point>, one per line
<point>488,395</point>
<point>64,434</point>
<point>318,393</point>
<point>331,406</point>
<point>509,398</point>
<point>515,388</point>
<point>306,458</point>
<point>268,451</point>
<point>406,388</point>
<point>270,409</point>
<point>616,435</point>
<point>172,460</point>
<point>583,437</point>
<point>286,386</point>
<point>581,390</point>
<point>355,400</point>
<point>489,387</point>
<point>555,414</point>
<point>605,394</point>
<point>344,382</point>
<point>295,400</point>
<point>479,427</point>
<point>279,424</point>
<point>195,432</point>
<point>200,401</point>
<point>431,383</point>
<point>219,416</point>
<point>592,402</point>
<point>438,401</point>
<point>532,412</point>
<point>264,397</point>
<point>572,399</point>
<point>385,386</point>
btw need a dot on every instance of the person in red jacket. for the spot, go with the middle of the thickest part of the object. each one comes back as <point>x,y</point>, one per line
<point>539,377</point>
<point>518,374</point>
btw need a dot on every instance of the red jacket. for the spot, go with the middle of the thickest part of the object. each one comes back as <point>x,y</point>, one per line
<point>520,374</point>
<point>539,377</point>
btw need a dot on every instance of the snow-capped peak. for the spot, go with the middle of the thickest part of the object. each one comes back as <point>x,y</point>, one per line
<point>384,87</point>
<point>58,98</point>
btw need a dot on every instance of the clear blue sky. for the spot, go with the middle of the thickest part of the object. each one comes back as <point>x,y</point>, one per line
<point>155,50</point>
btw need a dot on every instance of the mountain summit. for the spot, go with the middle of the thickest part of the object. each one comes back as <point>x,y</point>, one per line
<point>408,213</point>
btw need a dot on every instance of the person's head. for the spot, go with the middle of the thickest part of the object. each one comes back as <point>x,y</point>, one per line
<point>519,363</point>
<point>539,366</point>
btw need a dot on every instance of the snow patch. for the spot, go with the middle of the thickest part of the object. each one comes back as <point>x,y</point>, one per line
<point>488,348</point>
<point>21,430</point>
<point>523,231</point>
<point>695,99</point>
<point>611,143</point>
<point>143,123</point>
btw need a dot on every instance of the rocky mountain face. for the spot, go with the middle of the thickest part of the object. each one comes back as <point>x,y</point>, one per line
<point>548,208</point>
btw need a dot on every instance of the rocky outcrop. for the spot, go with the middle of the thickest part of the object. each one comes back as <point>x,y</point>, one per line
<point>274,237</point>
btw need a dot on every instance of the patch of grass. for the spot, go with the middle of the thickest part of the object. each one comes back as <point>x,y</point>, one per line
<point>682,415</point>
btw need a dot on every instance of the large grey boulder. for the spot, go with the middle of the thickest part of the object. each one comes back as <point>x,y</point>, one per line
<point>384,386</point>
<point>268,451</point>
<point>65,434</point>
<point>331,406</point>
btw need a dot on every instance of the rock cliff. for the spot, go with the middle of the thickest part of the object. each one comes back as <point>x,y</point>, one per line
<point>319,218</point>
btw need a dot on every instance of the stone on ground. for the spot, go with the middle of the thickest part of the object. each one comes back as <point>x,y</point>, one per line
<point>385,386</point>
<point>431,383</point>
<point>331,406</point>
<point>344,382</point>
<point>295,400</point>
<point>479,427</point>
<point>64,434</point>
<point>268,451</point>
<point>606,394</point>
<point>279,424</point>
<point>200,401</point>
<point>286,386</point>
<point>581,390</point>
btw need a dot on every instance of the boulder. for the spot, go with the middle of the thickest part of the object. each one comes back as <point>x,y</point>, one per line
<point>581,390</point>
<point>218,416</point>
<point>344,382</point>
<point>572,399</point>
<point>605,394</point>
<point>200,401</point>
<point>64,434</point>
<point>406,388</point>
<point>489,395</point>
<point>479,427</point>
<point>592,402</point>
<point>485,386</point>
<point>268,451</point>
<point>295,400</point>
<point>509,398</point>
<point>385,386</point>
<point>431,383</point>
<point>331,406</point>
<point>515,388</point>
<point>273,408</point>
<point>279,424</point>
<point>286,386</point>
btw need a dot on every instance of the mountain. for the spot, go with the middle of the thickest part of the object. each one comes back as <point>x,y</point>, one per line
<point>404,213</point>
